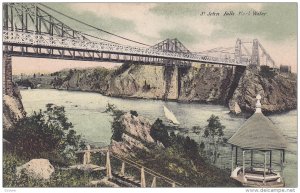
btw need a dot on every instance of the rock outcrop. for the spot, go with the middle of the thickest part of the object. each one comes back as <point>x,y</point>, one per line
<point>37,169</point>
<point>92,79</point>
<point>136,135</point>
<point>12,109</point>
<point>279,92</point>
<point>139,81</point>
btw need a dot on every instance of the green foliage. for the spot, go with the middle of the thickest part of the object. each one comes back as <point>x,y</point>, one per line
<point>25,83</point>
<point>46,134</point>
<point>134,113</point>
<point>214,132</point>
<point>117,127</point>
<point>176,165</point>
<point>267,72</point>
<point>159,133</point>
<point>69,75</point>
<point>191,148</point>
<point>61,178</point>
<point>56,82</point>
<point>10,162</point>
<point>185,145</point>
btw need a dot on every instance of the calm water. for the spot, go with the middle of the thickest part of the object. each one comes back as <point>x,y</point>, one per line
<point>84,110</point>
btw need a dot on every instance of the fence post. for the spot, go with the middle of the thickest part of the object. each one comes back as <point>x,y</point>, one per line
<point>108,166</point>
<point>84,158</point>
<point>123,169</point>
<point>88,154</point>
<point>143,180</point>
<point>173,185</point>
<point>153,185</point>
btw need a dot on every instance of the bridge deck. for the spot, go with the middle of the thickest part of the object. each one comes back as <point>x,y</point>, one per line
<point>66,47</point>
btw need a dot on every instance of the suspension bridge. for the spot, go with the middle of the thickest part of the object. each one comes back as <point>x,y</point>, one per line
<point>33,30</point>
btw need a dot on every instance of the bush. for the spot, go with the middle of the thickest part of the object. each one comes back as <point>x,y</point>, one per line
<point>134,113</point>
<point>159,133</point>
<point>267,72</point>
<point>46,134</point>
<point>117,127</point>
<point>25,83</point>
<point>184,145</point>
<point>61,178</point>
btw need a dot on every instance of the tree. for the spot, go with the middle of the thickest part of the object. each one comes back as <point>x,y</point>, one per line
<point>117,127</point>
<point>191,148</point>
<point>134,113</point>
<point>46,134</point>
<point>198,131</point>
<point>159,132</point>
<point>214,132</point>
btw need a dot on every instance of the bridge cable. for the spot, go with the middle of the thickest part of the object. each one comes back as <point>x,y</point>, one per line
<point>82,33</point>
<point>99,29</point>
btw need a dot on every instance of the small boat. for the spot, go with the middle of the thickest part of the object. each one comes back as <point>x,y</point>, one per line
<point>170,116</point>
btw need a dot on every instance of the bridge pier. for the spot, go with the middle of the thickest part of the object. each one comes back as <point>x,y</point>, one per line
<point>171,82</point>
<point>7,74</point>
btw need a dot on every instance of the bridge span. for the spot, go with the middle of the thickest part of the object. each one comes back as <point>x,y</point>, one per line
<point>31,30</point>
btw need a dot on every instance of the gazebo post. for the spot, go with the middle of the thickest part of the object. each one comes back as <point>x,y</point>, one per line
<point>232,158</point>
<point>251,159</point>
<point>236,156</point>
<point>281,162</point>
<point>265,165</point>
<point>243,162</point>
<point>270,160</point>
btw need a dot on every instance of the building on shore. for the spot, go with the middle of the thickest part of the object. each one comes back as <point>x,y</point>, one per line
<point>256,140</point>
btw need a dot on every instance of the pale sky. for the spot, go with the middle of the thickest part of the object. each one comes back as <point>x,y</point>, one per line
<point>151,23</point>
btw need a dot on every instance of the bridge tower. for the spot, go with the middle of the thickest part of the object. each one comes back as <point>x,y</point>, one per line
<point>7,84</point>
<point>171,71</point>
<point>255,53</point>
<point>238,50</point>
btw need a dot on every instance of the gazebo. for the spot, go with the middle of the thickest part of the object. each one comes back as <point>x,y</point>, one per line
<point>258,135</point>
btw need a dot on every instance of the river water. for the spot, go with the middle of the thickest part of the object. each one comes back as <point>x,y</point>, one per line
<point>85,111</point>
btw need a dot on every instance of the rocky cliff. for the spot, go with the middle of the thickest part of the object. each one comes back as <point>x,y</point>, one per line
<point>278,91</point>
<point>12,108</point>
<point>91,79</point>
<point>229,86</point>
<point>136,135</point>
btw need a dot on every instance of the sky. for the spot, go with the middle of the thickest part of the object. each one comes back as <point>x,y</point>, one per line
<point>151,23</point>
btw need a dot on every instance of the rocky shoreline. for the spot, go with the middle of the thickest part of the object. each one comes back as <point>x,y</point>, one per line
<point>234,88</point>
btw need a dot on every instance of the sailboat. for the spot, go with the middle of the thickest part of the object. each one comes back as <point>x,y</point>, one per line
<point>170,116</point>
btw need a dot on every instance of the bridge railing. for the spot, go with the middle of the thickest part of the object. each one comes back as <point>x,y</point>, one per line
<point>44,40</point>
<point>125,161</point>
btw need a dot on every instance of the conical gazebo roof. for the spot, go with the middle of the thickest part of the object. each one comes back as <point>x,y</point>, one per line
<point>258,132</point>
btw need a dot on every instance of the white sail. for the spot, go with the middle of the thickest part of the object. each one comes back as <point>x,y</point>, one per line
<point>170,116</point>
